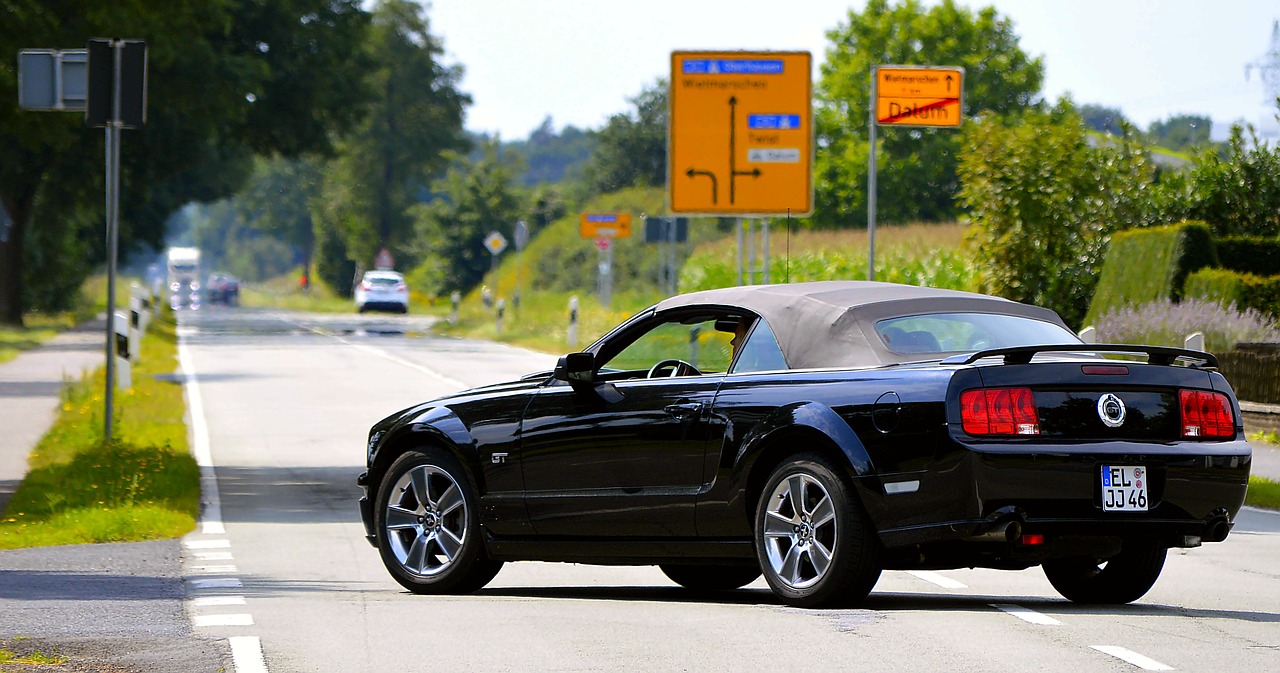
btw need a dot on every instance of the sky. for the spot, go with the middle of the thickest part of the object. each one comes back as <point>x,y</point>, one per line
<point>580,61</point>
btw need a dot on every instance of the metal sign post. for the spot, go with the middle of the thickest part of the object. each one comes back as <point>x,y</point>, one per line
<point>908,95</point>
<point>108,81</point>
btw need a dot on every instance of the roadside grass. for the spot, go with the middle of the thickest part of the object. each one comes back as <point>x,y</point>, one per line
<point>1263,493</point>
<point>141,484</point>
<point>40,327</point>
<point>27,658</point>
<point>284,293</point>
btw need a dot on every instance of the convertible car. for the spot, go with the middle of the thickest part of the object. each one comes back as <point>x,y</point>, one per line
<point>819,433</point>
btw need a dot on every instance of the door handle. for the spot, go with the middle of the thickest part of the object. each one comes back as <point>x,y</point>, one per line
<point>683,410</point>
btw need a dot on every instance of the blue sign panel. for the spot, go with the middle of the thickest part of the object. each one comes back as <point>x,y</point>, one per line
<point>608,217</point>
<point>783,122</point>
<point>725,66</point>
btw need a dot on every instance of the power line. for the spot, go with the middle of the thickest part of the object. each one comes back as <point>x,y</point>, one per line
<point>1268,66</point>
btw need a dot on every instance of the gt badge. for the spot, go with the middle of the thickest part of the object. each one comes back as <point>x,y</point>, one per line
<point>1111,410</point>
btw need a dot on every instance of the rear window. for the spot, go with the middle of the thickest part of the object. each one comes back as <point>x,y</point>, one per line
<point>383,281</point>
<point>965,332</point>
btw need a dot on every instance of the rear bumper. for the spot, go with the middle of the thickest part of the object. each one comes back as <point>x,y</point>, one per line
<point>1195,491</point>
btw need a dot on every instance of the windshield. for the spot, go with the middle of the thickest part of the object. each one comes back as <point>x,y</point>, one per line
<point>963,332</point>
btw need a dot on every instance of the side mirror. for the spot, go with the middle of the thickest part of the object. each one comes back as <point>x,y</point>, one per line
<point>576,368</point>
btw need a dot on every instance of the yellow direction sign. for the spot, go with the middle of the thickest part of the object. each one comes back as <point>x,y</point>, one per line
<point>605,225</point>
<point>741,133</point>
<point>918,95</point>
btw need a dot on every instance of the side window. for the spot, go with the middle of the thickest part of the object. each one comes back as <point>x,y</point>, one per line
<point>696,342</point>
<point>761,352</point>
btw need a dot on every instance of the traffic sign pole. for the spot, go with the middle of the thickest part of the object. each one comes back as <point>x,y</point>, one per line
<point>871,183</point>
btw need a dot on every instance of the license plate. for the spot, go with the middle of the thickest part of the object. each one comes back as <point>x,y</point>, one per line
<point>1124,488</point>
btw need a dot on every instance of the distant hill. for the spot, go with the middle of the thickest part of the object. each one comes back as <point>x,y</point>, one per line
<point>549,156</point>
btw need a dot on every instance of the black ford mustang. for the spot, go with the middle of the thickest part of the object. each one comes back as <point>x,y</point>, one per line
<point>819,433</point>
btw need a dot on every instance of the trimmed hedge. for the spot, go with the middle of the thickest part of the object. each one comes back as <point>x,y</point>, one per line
<point>1145,265</point>
<point>1245,290</point>
<point>1250,254</point>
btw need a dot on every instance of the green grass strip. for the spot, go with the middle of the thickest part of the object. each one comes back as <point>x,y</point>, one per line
<point>1263,493</point>
<point>141,484</point>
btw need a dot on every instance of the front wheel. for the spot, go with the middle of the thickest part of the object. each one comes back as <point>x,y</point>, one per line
<point>711,577</point>
<point>813,539</point>
<point>1123,578</point>
<point>428,528</point>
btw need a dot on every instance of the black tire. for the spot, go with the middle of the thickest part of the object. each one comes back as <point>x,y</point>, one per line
<point>433,547</point>
<point>1123,578</point>
<point>711,577</point>
<point>808,515</point>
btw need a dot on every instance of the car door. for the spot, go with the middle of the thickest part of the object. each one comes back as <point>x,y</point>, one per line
<point>631,465</point>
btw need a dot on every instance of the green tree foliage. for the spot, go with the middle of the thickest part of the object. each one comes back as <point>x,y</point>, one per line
<point>278,200</point>
<point>1103,119</point>
<point>631,150</point>
<point>553,157</point>
<point>1237,195</point>
<point>226,79</point>
<point>1043,201</point>
<point>917,167</point>
<point>476,198</point>
<point>415,118</point>
<point>1181,132</point>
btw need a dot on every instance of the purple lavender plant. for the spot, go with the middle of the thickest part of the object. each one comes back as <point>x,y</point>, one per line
<point>1164,323</point>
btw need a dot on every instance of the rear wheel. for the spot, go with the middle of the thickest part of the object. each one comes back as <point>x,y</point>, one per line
<point>711,577</point>
<point>428,527</point>
<point>814,541</point>
<point>1123,578</point>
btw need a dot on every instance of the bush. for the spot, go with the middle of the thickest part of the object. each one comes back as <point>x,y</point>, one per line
<point>1144,265</point>
<point>1238,195</point>
<point>1250,254</point>
<point>1164,323</point>
<point>1242,289</point>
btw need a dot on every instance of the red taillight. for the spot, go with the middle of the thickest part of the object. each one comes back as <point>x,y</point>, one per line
<point>999,411</point>
<point>1206,414</point>
<point>1031,539</point>
<point>366,286</point>
<point>401,287</point>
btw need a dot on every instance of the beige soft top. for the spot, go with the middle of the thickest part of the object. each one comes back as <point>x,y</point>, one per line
<point>832,323</point>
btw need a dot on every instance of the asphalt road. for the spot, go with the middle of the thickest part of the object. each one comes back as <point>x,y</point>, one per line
<point>288,401</point>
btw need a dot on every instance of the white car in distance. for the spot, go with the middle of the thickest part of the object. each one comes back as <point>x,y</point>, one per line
<point>382,291</point>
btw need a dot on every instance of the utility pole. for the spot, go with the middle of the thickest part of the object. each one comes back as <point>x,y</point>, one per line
<point>1268,66</point>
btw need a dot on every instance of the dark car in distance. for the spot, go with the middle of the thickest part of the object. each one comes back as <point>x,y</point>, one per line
<point>819,433</point>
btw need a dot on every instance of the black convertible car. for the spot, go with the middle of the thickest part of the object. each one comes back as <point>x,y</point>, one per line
<point>819,433</point>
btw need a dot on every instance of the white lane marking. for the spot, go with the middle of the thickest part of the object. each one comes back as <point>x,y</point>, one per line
<point>246,653</point>
<point>223,620</point>
<point>207,544</point>
<point>1026,614</point>
<point>1145,663</point>
<point>217,583</point>
<point>394,358</point>
<point>214,569</point>
<point>940,580</point>
<point>217,601</point>
<point>211,516</point>
<point>213,556</point>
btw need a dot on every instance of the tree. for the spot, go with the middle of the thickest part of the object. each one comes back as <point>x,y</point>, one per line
<point>553,157</point>
<point>1043,202</point>
<point>1102,118</point>
<point>278,201</point>
<point>1180,132</point>
<point>917,167</point>
<point>226,79</point>
<point>414,120</point>
<point>631,150</point>
<point>476,197</point>
<point>1237,195</point>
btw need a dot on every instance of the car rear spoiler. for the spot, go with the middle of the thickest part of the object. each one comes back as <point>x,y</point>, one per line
<point>1156,355</point>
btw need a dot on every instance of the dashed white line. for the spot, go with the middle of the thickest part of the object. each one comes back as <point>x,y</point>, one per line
<point>246,651</point>
<point>207,544</point>
<point>217,583</point>
<point>213,556</point>
<point>1143,662</point>
<point>214,569</point>
<point>1027,615</point>
<point>223,620</point>
<point>217,601</point>
<point>938,579</point>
